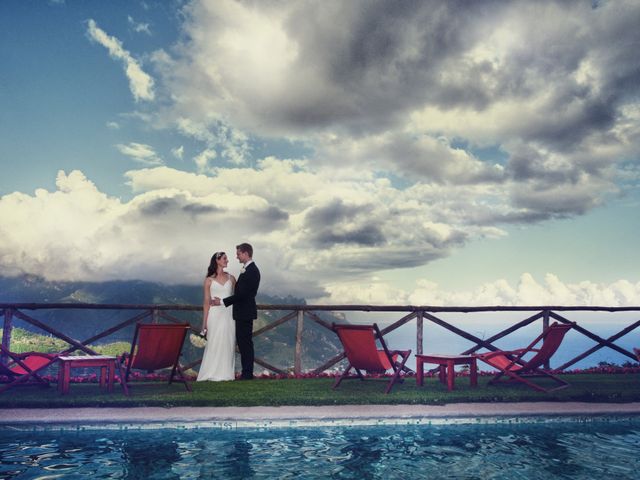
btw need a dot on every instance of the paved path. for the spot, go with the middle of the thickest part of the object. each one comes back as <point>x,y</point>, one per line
<point>234,417</point>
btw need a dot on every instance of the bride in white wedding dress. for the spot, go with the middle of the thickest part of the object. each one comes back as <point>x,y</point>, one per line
<point>219,357</point>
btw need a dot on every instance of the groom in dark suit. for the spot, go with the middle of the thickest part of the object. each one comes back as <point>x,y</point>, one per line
<point>244,306</point>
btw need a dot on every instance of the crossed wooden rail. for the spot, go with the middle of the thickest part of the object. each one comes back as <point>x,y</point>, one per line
<point>298,313</point>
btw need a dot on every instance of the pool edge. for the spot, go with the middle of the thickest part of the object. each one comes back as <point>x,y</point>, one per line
<point>309,417</point>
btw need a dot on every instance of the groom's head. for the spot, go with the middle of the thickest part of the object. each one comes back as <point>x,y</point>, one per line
<point>244,252</point>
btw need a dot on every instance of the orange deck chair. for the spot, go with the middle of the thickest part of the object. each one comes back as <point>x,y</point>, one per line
<point>359,343</point>
<point>155,347</point>
<point>23,368</point>
<point>513,364</point>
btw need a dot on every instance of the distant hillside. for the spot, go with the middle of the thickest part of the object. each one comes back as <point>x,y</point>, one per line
<point>29,288</point>
<point>276,346</point>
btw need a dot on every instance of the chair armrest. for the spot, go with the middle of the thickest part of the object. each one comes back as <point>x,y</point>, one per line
<point>507,353</point>
<point>523,350</point>
<point>492,354</point>
<point>516,351</point>
<point>514,356</point>
<point>402,353</point>
<point>37,354</point>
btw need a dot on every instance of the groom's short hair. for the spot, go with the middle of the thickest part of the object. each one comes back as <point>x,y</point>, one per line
<point>246,248</point>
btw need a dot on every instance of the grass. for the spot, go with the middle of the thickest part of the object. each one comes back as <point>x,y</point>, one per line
<point>616,388</point>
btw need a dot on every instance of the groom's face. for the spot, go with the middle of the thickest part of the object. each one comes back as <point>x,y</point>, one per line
<point>243,257</point>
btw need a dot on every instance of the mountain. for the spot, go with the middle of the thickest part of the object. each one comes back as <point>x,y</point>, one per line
<point>277,346</point>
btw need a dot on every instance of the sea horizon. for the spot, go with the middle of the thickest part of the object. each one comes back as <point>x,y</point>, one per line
<point>437,339</point>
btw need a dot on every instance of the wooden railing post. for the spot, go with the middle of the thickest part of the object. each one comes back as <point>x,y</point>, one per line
<point>545,325</point>
<point>297,367</point>
<point>6,334</point>
<point>419,333</point>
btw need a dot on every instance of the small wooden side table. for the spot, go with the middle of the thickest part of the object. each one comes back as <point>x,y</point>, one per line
<point>106,363</point>
<point>446,372</point>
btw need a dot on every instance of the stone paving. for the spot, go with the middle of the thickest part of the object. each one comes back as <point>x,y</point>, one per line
<point>305,416</point>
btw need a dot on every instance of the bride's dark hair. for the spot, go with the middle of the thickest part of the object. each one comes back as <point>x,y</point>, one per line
<point>213,264</point>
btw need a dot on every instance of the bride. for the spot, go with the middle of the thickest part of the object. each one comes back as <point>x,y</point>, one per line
<point>219,357</point>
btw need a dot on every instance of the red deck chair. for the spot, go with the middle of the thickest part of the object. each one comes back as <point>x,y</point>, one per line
<point>512,364</point>
<point>23,368</point>
<point>359,343</point>
<point>155,347</point>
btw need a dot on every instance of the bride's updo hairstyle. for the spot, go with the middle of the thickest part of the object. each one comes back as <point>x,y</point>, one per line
<point>213,264</point>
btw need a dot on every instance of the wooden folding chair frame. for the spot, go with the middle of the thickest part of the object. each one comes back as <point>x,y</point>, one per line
<point>525,372</point>
<point>397,367</point>
<point>23,379</point>
<point>127,358</point>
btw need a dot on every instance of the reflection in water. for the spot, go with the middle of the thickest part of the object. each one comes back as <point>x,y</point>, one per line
<point>145,458</point>
<point>212,457</point>
<point>553,450</point>
<point>240,459</point>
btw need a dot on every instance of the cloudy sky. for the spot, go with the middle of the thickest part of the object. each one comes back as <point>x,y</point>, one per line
<point>443,152</point>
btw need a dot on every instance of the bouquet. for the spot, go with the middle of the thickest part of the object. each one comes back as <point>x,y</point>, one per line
<point>198,340</point>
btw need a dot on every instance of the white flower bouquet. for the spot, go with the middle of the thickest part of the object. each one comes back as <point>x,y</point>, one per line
<point>198,340</point>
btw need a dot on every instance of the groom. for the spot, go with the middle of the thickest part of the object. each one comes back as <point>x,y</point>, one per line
<point>244,306</point>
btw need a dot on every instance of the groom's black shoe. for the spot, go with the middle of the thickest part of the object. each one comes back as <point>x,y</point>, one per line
<point>246,377</point>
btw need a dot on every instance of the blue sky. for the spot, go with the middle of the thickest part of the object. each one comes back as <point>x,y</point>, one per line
<point>373,152</point>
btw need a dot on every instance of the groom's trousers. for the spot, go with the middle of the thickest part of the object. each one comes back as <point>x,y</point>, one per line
<point>244,339</point>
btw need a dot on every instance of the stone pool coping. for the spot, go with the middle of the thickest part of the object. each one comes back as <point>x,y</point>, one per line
<point>311,416</point>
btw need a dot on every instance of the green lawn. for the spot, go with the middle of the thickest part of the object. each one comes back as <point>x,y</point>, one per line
<point>318,391</point>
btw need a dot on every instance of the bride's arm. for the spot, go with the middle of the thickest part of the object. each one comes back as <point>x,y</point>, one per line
<point>206,303</point>
<point>233,282</point>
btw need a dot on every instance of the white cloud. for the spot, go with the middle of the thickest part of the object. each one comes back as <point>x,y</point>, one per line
<point>79,233</point>
<point>178,152</point>
<point>203,160</point>
<point>315,236</point>
<point>308,227</point>
<point>221,139</point>
<point>140,83</point>
<point>414,93</point>
<point>342,223</point>
<point>194,129</point>
<point>253,42</point>
<point>113,125</point>
<point>71,220</point>
<point>140,152</point>
<point>527,292</point>
<point>409,153</point>
<point>138,27</point>
<point>334,65</point>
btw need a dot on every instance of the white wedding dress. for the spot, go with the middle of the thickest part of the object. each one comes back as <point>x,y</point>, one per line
<point>219,357</point>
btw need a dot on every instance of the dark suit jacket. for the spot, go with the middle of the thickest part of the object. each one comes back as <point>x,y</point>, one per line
<point>244,296</point>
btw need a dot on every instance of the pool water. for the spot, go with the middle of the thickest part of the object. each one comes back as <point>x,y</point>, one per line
<point>586,450</point>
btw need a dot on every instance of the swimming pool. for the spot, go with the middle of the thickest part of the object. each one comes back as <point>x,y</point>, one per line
<point>585,450</point>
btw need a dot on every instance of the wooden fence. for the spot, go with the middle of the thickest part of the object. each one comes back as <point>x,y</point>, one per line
<point>423,315</point>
